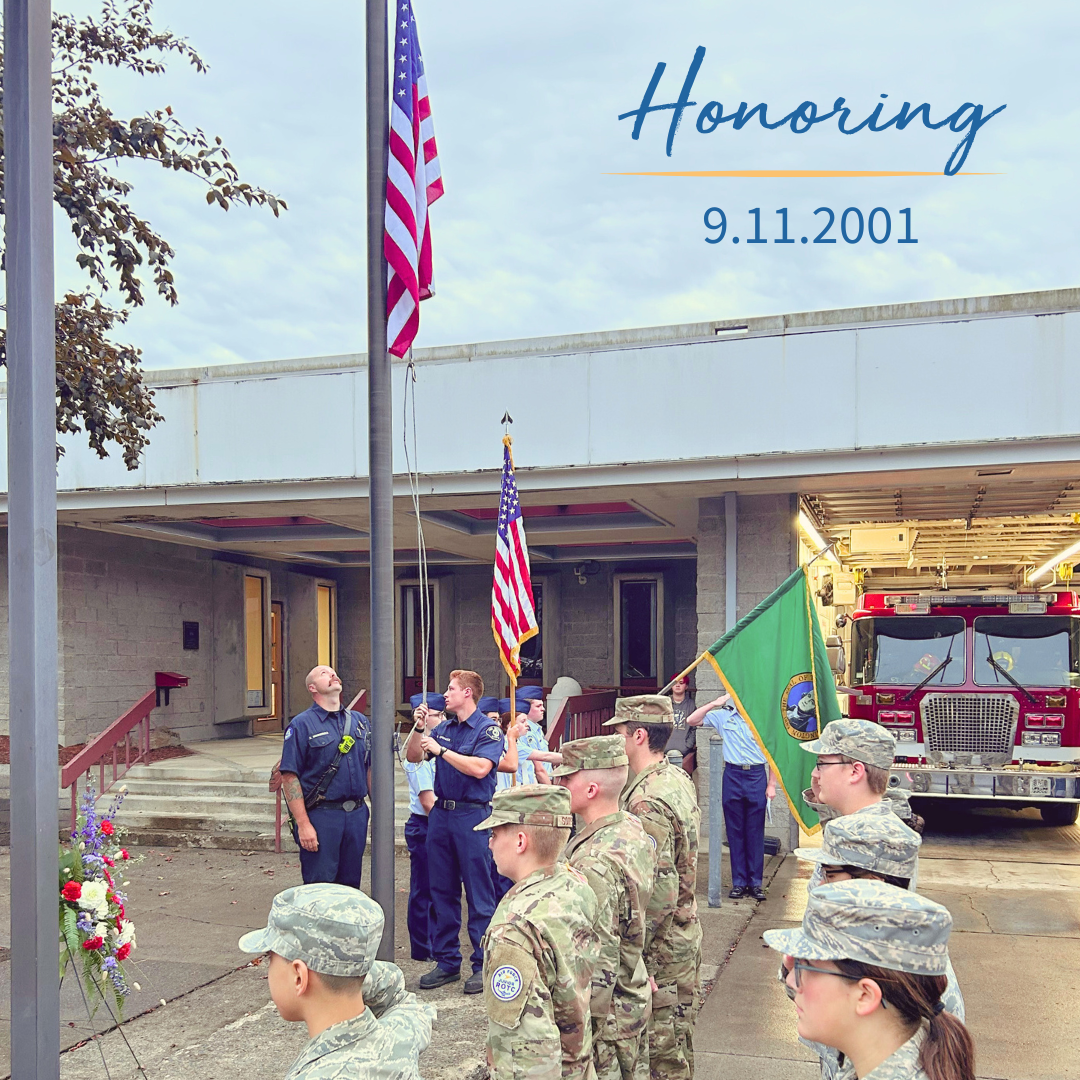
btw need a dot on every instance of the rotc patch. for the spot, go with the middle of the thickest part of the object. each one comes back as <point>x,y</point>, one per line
<point>652,840</point>
<point>495,733</point>
<point>506,982</point>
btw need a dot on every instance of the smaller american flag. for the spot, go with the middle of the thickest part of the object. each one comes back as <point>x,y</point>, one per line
<point>413,183</point>
<point>513,618</point>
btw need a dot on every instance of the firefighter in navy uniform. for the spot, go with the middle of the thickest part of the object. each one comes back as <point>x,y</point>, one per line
<point>325,772</point>
<point>466,751</point>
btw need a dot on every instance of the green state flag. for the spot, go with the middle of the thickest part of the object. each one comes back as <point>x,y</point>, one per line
<point>774,665</point>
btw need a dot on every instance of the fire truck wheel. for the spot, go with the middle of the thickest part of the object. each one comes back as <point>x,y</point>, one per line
<point>1060,813</point>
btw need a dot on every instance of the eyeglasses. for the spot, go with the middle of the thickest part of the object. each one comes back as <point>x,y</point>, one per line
<point>801,966</point>
<point>822,764</point>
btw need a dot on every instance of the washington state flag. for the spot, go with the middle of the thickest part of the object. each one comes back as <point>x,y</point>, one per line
<point>774,665</point>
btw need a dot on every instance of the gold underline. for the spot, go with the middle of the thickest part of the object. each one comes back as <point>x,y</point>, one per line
<point>798,173</point>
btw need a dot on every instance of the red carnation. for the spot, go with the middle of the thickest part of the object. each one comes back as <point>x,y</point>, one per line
<point>122,952</point>
<point>107,861</point>
<point>92,943</point>
<point>71,891</point>
<point>120,915</point>
<point>124,854</point>
<point>107,827</point>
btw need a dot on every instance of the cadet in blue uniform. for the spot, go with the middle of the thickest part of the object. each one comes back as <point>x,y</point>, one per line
<point>421,777</point>
<point>748,784</point>
<point>466,749</point>
<point>332,834</point>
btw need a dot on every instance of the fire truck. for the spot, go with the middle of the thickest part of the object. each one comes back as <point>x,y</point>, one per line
<point>981,690</point>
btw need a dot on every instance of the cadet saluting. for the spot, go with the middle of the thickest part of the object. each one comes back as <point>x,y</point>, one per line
<point>466,751</point>
<point>663,797</point>
<point>614,853</point>
<point>540,948</point>
<point>325,767</point>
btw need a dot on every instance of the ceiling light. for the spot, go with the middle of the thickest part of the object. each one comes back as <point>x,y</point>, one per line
<point>1048,566</point>
<point>816,539</point>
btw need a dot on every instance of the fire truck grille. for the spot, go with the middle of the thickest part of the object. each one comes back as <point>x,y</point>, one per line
<point>969,729</point>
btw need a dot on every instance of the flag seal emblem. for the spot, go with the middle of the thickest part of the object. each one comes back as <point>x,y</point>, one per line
<point>798,707</point>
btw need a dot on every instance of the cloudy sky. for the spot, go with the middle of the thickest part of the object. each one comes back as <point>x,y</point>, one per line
<point>535,234</point>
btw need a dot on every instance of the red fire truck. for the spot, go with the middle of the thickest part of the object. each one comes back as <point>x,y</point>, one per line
<point>981,690</point>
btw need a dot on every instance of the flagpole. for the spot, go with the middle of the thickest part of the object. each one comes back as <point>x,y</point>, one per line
<point>380,481</point>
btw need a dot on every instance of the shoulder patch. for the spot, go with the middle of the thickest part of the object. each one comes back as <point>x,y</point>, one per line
<point>506,982</point>
<point>495,733</point>
<point>652,840</point>
<point>576,873</point>
<point>288,734</point>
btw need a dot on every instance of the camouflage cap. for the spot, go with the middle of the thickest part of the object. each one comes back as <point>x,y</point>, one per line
<point>880,843</point>
<point>599,752</point>
<point>644,709</point>
<point>334,929</point>
<point>529,804</point>
<point>860,740</point>
<point>873,923</point>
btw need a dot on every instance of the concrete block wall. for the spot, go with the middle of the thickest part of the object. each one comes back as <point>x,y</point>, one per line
<point>766,554</point>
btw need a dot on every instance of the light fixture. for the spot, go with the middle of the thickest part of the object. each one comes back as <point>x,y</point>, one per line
<point>816,539</point>
<point>1048,566</point>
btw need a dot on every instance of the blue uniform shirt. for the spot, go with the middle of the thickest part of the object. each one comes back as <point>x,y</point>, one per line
<point>311,743</point>
<point>739,745</point>
<point>476,736</point>
<point>421,777</point>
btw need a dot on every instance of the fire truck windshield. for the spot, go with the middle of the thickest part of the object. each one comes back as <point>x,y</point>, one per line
<point>902,650</point>
<point>1036,650</point>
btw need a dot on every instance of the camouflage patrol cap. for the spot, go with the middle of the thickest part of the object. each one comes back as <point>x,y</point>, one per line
<point>529,804</point>
<point>873,923</point>
<point>334,929</point>
<point>599,752</point>
<point>880,843</point>
<point>642,709</point>
<point>860,740</point>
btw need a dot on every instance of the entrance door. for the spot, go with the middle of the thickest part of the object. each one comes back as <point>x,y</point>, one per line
<point>275,721</point>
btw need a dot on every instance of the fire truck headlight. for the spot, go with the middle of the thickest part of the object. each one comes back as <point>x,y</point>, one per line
<point>1032,738</point>
<point>903,735</point>
<point>1051,738</point>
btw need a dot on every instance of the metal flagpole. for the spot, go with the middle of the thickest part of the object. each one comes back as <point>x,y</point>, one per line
<point>32,591</point>
<point>380,481</point>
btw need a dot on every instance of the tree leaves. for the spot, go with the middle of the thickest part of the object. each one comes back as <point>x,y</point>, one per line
<point>99,382</point>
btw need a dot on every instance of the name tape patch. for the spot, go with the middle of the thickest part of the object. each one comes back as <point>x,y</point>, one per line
<point>506,982</point>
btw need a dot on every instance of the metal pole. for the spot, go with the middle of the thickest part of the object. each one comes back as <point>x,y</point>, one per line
<point>381,483</point>
<point>32,606</point>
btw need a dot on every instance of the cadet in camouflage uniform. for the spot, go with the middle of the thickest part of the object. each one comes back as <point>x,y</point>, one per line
<point>322,939</point>
<point>540,948</point>
<point>663,797</point>
<point>889,948</point>
<point>614,853</point>
<point>873,847</point>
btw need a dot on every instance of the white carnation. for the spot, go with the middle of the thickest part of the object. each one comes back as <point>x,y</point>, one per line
<point>93,897</point>
<point>127,934</point>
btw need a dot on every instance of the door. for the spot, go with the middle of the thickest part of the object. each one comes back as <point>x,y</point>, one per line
<point>275,721</point>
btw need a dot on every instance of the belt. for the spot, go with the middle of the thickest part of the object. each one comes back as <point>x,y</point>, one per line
<point>747,768</point>
<point>456,804</point>
<point>348,805</point>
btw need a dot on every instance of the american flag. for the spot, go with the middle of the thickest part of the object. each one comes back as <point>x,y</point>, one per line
<point>513,620</point>
<point>413,183</point>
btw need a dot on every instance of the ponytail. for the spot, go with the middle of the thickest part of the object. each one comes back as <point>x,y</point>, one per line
<point>948,1052</point>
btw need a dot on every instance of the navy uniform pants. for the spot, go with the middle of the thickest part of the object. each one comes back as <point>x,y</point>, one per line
<point>459,857</point>
<point>421,917</point>
<point>342,839</point>
<point>744,816</point>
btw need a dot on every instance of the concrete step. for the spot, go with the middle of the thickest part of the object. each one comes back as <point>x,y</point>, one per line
<point>221,790</point>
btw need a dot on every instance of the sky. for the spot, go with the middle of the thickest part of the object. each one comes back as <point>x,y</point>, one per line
<point>537,234</point>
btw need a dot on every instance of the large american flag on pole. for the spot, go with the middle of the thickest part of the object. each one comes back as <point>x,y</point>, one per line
<point>513,619</point>
<point>413,183</point>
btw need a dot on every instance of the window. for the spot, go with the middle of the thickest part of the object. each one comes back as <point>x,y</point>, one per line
<point>902,650</point>
<point>412,651</point>
<point>532,652</point>
<point>1036,650</point>
<point>255,640</point>
<point>325,618</point>
<point>639,620</point>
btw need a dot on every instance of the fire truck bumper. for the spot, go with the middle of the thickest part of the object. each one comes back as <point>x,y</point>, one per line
<point>1000,784</point>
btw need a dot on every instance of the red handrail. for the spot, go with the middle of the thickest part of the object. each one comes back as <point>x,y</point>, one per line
<point>95,751</point>
<point>582,716</point>
<point>119,731</point>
